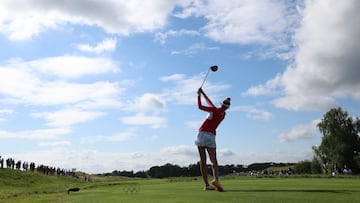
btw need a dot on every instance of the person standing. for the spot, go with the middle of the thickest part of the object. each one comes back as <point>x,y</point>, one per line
<point>205,139</point>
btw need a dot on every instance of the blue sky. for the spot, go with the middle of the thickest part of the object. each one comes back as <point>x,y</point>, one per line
<point>111,85</point>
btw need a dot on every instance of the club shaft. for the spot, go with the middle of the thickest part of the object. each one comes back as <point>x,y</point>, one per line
<point>205,78</point>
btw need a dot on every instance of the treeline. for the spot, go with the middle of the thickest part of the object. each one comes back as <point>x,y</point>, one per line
<point>170,170</point>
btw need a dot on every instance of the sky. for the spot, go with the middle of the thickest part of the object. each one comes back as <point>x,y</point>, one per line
<point>111,85</point>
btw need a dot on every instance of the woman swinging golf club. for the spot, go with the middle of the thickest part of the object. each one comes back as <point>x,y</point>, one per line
<point>205,139</point>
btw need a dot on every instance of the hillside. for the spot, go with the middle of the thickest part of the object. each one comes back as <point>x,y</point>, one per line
<point>14,183</point>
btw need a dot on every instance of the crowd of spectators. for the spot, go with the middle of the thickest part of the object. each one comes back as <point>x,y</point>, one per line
<point>289,171</point>
<point>11,163</point>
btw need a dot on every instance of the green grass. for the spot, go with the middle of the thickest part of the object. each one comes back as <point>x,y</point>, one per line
<point>17,186</point>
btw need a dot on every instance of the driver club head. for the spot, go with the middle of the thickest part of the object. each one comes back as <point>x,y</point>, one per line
<point>214,68</point>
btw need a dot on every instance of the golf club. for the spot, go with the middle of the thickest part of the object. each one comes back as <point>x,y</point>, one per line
<point>213,69</point>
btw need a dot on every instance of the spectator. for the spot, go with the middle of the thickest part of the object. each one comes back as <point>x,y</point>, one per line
<point>347,171</point>
<point>25,165</point>
<point>1,162</point>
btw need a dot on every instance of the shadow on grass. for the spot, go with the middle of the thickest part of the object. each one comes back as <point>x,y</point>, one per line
<point>295,190</point>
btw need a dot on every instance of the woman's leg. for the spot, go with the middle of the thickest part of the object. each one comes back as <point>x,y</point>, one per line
<point>203,167</point>
<point>213,159</point>
<point>215,169</point>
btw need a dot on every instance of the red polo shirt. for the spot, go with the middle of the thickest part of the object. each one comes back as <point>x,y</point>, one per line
<point>216,115</point>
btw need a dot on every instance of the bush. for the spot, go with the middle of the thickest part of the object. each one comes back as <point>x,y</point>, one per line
<point>303,167</point>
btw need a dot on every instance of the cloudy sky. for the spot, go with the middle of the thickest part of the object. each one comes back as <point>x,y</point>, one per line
<point>111,85</point>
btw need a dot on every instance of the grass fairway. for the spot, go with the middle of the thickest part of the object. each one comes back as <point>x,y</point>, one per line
<point>16,186</point>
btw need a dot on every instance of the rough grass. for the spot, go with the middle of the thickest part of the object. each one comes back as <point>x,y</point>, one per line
<point>17,186</point>
<point>14,183</point>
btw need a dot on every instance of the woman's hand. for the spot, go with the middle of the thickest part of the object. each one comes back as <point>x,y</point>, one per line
<point>200,91</point>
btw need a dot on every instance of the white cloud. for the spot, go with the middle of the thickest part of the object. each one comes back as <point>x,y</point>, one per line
<point>118,137</point>
<point>32,82</point>
<point>173,77</point>
<point>73,66</point>
<point>259,114</point>
<point>20,19</point>
<point>108,44</point>
<point>326,71</point>
<point>4,112</point>
<point>60,93</point>
<point>305,102</point>
<point>193,124</point>
<point>181,150</point>
<point>268,23</point>
<point>35,83</point>
<point>152,138</point>
<point>306,131</point>
<point>326,60</point>
<point>68,117</point>
<point>225,153</point>
<point>148,102</point>
<point>247,21</point>
<point>141,119</point>
<point>254,113</point>
<point>55,144</point>
<point>17,82</point>
<point>270,88</point>
<point>41,134</point>
<point>194,49</point>
<point>190,8</point>
<point>163,36</point>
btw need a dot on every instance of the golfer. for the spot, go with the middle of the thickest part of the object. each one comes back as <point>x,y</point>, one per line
<point>205,139</point>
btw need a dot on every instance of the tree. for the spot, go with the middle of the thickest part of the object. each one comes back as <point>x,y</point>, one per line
<point>315,166</point>
<point>340,145</point>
